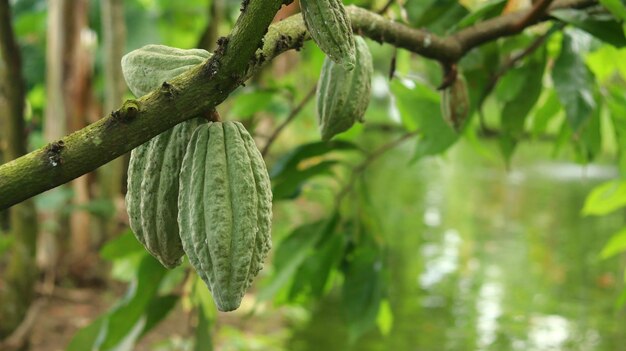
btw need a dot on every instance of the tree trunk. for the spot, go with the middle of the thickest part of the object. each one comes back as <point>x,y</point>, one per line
<point>17,290</point>
<point>110,176</point>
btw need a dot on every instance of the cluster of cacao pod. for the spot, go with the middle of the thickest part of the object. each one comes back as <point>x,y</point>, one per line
<point>200,188</point>
<point>344,86</point>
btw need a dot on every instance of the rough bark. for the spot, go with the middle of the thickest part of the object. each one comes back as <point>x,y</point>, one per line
<point>17,289</point>
<point>207,85</point>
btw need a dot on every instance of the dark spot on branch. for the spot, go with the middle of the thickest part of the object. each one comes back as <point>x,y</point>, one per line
<point>222,44</point>
<point>299,41</point>
<point>211,67</point>
<point>53,153</point>
<point>168,90</point>
<point>282,44</point>
<point>244,5</point>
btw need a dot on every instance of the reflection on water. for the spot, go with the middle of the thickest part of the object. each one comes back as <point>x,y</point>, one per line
<point>485,259</point>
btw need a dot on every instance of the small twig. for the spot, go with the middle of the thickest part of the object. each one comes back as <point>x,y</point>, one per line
<point>292,115</point>
<point>386,7</point>
<point>511,63</point>
<point>360,168</point>
<point>533,16</point>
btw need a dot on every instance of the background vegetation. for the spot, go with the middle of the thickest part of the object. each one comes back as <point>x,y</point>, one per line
<point>399,234</point>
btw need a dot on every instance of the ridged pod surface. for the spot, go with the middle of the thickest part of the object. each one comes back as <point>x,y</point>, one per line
<point>455,103</point>
<point>146,68</point>
<point>152,196</point>
<point>343,96</point>
<point>329,26</point>
<point>225,210</point>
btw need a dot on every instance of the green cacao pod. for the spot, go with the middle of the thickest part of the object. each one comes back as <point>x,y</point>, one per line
<point>146,68</point>
<point>329,26</point>
<point>225,210</point>
<point>455,104</point>
<point>343,96</point>
<point>152,196</point>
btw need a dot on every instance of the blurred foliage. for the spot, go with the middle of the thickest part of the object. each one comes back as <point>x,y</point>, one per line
<point>568,91</point>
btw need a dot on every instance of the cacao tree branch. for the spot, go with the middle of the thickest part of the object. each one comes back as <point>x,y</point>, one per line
<point>207,85</point>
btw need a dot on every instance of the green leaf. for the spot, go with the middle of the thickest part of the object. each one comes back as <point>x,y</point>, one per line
<point>422,105</point>
<point>518,107</point>
<point>616,7</point>
<point>574,82</point>
<point>605,198</point>
<point>545,113</point>
<point>157,310</point>
<point>487,9</point>
<point>313,274</point>
<point>122,326</point>
<point>289,186</point>
<point>293,251</point>
<point>288,175</point>
<point>124,245</point>
<point>603,27</point>
<point>363,289</point>
<point>292,159</point>
<point>616,245</point>
<point>617,106</point>
<point>384,320</point>
<point>247,104</point>
<point>439,16</point>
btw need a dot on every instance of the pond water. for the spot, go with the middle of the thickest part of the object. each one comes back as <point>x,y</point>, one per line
<point>482,258</point>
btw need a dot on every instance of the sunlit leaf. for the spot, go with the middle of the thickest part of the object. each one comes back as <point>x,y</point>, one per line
<point>616,245</point>
<point>545,113</point>
<point>606,198</point>
<point>384,320</point>
<point>574,82</point>
<point>290,161</point>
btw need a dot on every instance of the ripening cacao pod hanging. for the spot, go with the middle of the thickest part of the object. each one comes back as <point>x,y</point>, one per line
<point>343,96</point>
<point>329,26</point>
<point>152,195</point>
<point>225,210</point>
<point>455,104</point>
<point>146,68</point>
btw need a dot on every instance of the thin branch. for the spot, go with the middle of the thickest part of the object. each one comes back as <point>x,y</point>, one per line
<point>207,85</point>
<point>373,156</point>
<point>292,115</point>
